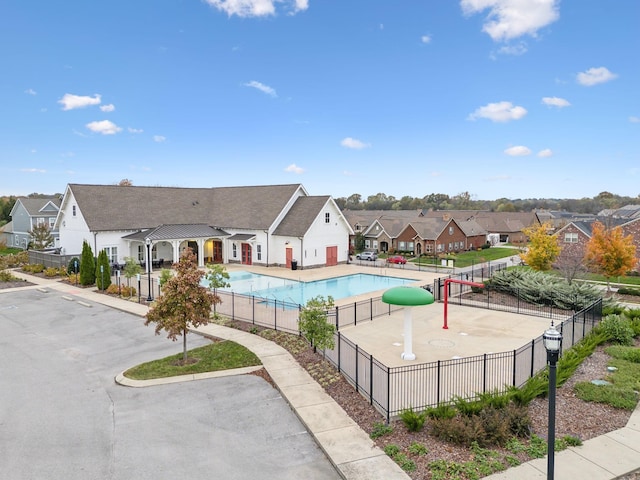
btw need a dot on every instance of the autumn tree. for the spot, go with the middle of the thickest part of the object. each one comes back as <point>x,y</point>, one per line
<point>131,269</point>
<point>543,248</point>
<point>313,322</point>
<point>41,236</point>
<point>609,252</point>
<point>184,302</point>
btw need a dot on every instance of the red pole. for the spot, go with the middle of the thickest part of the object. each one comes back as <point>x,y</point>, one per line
<point>446,295</point>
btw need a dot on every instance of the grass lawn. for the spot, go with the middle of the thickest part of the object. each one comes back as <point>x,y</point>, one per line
<point>465,259</point>
<point>9,251</point>
<point>222,355</point>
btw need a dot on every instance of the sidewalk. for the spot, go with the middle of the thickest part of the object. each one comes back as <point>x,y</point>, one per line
<point>349,448</point>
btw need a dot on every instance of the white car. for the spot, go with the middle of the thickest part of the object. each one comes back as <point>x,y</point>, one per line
<point>367,256</point>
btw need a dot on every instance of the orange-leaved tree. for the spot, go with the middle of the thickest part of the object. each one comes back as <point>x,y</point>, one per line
<point>184,302</point>
<point>609,252</point>
<point>543,248</point>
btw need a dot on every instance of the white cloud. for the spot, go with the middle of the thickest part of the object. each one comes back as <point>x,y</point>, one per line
<point>30,91</point>
<point>105,127</point>
<point>108,108</point>
<point>159,138</point>
<point>33,170</point>
<point>425,38</point>
<point>70,102</point>
<point>518,151</point>
<point>134,130</point>
<point>594,76</point>
<point>633,119</point>
<point>517,49</point>
<point>262,87</point>
<point>499,112</point>
<point>546,153</point>
<point>349,142</point>
<point>257,8</point>
<point>508,19</point>
<point>293,168</point>
<point>555,102</point>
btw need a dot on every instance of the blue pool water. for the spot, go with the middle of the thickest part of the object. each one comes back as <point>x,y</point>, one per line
<point>292,291</point>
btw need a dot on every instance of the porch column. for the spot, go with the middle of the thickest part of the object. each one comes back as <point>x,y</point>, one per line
<point>200,243</point>
<point>175,244</point>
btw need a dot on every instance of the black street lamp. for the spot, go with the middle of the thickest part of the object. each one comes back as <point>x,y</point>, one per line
<point>552,340</point>
<point>148,242</point>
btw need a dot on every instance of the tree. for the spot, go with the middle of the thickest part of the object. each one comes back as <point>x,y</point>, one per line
<point>131,269</point>
<point>609,252</point>
<point>184,302</point>
<point>125,182</point>
<point>103,271</point>
<point>543,248</point>
<point>41,236</point>
<point>313,322</point>
<point>87,265</point>
<point>217,277</point>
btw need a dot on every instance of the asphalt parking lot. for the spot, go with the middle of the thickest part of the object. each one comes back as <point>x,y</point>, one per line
<point>63,416</point>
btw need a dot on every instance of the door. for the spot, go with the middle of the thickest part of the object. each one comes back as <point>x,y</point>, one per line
<point>217,251</point>
<point>289,256</point>
<point>332,256</point>
<point>246,254</point>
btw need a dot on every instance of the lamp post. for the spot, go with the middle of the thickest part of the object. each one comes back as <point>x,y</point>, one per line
<point>148,242</point>
<point>552,340</point>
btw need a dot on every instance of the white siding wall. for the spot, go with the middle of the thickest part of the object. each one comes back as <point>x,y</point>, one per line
<point>73,230</point>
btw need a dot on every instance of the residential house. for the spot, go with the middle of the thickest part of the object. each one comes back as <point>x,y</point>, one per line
<point>273,225</point>
<point>28,213</point>
<point>573,238</point>
<point>443,235</point>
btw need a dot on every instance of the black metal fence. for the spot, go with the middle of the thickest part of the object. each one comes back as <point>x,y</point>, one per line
<point>392,389</point>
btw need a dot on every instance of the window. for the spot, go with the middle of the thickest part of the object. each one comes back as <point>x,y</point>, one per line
<point>570,238</point>
<point>440,247</point>
<point>375,245</point>
<point>327,217</point>
<point>450,246</point>
<point>402,246</point>
<point>112,254</point>
<point>73,210</point>
<point>52,221</point>
<point>357,228</point>
<point>450,230</point>
<point>40,221</point>
<point>428,248</point>
<point>410,246</point>
<point>367,243</point>
<point>234,249</point>
<point>259,251</point>
<point>141,253</point>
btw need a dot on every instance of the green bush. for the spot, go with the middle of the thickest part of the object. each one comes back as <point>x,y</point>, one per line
<point>392,450</point>
<point>418,449</point>
<point>414,421</point>
<point>618,397</point>
<point>617,329</point>
<point>629,291</point>
<point>51,272</point>
<point>71,267</point>
<point>441,411</point>
<point>380,429</point>
<point>7,276</point>
<point>630,354</point>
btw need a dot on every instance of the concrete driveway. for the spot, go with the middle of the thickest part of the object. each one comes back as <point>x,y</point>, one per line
<point>63,416</point>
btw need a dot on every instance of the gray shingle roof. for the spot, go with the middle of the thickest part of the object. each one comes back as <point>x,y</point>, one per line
<point>34,206</point>
<point>299,219</point>
<point>113,207</point>
<point>168,232</point>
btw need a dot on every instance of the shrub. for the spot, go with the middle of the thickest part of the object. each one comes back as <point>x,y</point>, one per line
<point>7,276</point>
<point>467,407</point>
<point>618,397</point>
<point>414,421</point>
<point>392,450</point>
<point>441,411</point>
<point>71,267</point>
<point>51,272</point>
<point>629,291</point>
<point>630,354</point>
<point>617,329</point>
<point>418,449</point>
<point>380,429</point>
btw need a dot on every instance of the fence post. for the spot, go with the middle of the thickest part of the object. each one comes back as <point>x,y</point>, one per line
<point>388,395</point>
<point>371,309</point>
<point>533,356</point>
<point>253,309</point>
<point>370,379</point>
<point>355,313</point>
<point>357,388</point>
<point>515,359</point>
<point>484,373</point>
<point>438,384</point>
<point>337,323</point>
<point>339,345</point>
<point>233,306</point>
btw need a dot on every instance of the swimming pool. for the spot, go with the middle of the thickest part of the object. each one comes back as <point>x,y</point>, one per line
<point>292,291</point>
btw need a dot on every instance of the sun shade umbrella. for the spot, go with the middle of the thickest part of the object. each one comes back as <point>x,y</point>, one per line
<point>407,297</point>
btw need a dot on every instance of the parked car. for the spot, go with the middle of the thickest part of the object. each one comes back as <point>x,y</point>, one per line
<point>367,256</point>
<point>399,259</point>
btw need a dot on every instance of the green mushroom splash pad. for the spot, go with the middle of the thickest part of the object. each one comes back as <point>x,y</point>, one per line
<point>408,297</point>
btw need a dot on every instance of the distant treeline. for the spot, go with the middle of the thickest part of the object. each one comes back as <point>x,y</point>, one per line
<point>466,201</point>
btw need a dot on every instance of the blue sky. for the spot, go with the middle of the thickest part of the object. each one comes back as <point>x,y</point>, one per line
<point>498,98</point>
